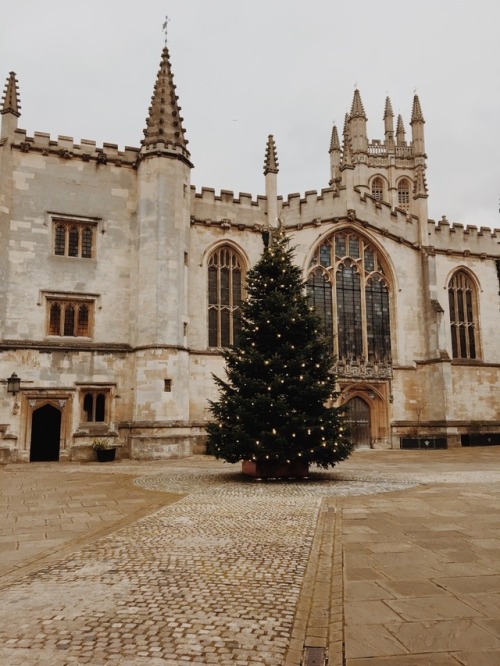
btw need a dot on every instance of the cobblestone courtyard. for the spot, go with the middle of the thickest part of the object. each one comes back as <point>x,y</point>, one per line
<point>392,558</point>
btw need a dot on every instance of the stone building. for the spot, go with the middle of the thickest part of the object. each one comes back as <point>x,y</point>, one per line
<point>120,282</point>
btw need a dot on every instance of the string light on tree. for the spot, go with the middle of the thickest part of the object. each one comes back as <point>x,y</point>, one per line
<point>273,400</point>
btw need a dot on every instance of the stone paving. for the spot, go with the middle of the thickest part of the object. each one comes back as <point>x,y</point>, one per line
<point>391,559</point>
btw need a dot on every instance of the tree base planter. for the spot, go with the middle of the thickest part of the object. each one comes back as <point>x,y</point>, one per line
<point>272,470</point>
<point>105,455</point>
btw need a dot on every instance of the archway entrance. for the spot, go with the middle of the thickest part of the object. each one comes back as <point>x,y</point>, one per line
<point>358,422</point>
<point>45,434</point>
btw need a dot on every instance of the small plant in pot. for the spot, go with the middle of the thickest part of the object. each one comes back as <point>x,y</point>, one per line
<point>104,448</point>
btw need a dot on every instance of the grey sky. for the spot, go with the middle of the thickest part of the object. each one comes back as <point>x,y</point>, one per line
<point>247,69</point>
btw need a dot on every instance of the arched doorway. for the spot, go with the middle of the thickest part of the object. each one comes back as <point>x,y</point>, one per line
<point>45,434</point>
<point>358,422</point>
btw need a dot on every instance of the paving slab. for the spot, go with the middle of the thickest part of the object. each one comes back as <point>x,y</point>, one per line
<point>391,559</point>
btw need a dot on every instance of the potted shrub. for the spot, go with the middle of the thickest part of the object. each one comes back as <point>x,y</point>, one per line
<point>105,450</point>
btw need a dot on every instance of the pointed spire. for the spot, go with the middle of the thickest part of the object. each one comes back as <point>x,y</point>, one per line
<point>416,114</point>
<point>335,159</point>
<point>400,131</point>
<point>271,160</point>
<point>346,144</point>
<point>11,102</point>
<point>334,141</point>
<point>388,112</point>
<point>357,109</point>
<point>164,123</point>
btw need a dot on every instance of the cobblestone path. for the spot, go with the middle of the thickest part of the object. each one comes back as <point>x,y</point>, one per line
<point>212,579</point>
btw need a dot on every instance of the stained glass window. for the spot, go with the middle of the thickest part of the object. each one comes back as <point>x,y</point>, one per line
<point>351,296</point>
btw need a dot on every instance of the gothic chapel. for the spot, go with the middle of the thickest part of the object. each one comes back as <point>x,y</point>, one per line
<point>120,282</point>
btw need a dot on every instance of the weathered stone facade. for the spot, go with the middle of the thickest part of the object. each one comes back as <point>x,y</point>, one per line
<point>105,259</point>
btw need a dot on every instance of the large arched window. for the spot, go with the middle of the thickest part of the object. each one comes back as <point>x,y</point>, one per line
<point>350,293</point>
<point>378,188</point>
<point>225,292</point>
<point>404,194</point>
<point>463,316</point>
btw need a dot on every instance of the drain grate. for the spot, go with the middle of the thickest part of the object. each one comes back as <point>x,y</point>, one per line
<point>314,656</point>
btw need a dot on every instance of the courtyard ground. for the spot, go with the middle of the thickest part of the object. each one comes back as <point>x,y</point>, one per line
<point>391,559</point>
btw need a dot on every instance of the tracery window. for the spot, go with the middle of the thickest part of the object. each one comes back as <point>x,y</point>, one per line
<point>349,290</point>
<point>225,293</point>
<point>463,316</point>
<point>404,194</point>
<point>378,188</point>
<point>73,238</point>
<point>69,318</point>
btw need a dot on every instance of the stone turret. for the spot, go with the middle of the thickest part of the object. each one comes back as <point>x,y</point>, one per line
<point>163,228</point>
<point>417,128</point>
<point>357,125</point>
<point>335,158</point>
<point>400,132</point>
<point>271,173</point>
<point>389,125</point>
<point>11,106</point>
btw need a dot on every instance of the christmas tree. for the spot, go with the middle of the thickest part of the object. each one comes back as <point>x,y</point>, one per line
<point>272,408</point>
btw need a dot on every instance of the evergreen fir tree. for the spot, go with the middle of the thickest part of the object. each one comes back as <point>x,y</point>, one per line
<point>272,407</point>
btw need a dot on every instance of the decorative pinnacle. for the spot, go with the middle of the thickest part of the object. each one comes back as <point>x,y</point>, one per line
<point>11,102</point>
<point>164,122</point>
<point>388,112</point>
<point>346,144</point>
<point>271,160</point>
<point>416,114</point>
<point>357,109</point>
<point>400,129</point>
<point>334,141</point>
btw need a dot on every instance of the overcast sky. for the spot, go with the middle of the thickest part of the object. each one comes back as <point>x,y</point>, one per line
<point>246,69</point>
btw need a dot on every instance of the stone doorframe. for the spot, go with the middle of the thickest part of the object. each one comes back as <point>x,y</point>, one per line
<point>377,397</point>
<point>34,399</point>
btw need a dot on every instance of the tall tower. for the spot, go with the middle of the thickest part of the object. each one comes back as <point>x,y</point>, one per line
<point>163,223</point>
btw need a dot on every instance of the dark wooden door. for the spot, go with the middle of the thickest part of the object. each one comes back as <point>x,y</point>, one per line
<point>358,422</point>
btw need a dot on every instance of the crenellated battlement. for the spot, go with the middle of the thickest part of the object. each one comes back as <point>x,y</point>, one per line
<point>64,147</point>
<point>458,239</point>
<point>244,199</point>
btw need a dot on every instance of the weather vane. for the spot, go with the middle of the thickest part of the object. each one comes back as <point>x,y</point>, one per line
<point>165,27</point>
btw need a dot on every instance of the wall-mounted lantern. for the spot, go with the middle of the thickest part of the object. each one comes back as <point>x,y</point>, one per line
<point>13,384</point>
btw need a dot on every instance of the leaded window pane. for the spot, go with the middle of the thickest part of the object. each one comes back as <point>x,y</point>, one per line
<point>354,247</point>
<point>377,318</point>
<point>319,290</point>
<point>100,407</point>
<point>369,260</point>
<point>340,245</point>
<point>224,286</point>
<point>69,320</point>
<point>224,326</point>
<point>87,243</point>
<point>60,240</point>
<point>350,332</point>
<point>213,328</point>
<point>55,319</point>
<point>83,320</point>
<point>325,255</point>
<point>88,406</point>
<point>73,242</point>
